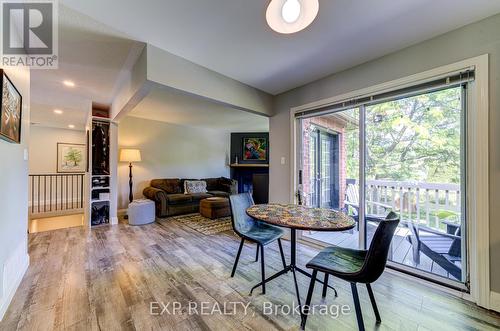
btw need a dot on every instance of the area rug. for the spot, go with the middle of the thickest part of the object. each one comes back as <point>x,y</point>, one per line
<point>202,224</point>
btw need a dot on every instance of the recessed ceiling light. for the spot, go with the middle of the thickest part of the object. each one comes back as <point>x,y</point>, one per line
<point>58,111</point>
<point>290,16</point>
<point>71,126</point>
<point>69,83</point>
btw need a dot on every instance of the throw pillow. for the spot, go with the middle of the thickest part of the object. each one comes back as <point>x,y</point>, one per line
<point>195,186</point>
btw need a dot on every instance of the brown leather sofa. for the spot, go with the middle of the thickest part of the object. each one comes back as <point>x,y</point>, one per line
<point>168,194</point>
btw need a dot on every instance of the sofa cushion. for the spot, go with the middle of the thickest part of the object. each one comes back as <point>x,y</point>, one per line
<point>169,185</point>
<point>219,194</point>
<point>195,186</point>
<point>175,199</point>
<point>212,184</point>
<point>183,185</point>
<point>224,180</point>
<point>226,184</point>
<point>199,196</point>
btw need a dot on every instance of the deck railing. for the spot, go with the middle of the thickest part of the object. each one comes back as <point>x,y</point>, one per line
<point>52,193</point>
<point>418,202</point>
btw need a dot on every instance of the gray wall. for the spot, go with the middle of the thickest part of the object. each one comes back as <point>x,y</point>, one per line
<point>14,198</point>
<point>170,70</point>
<point>473,40</point>
<point>170,151</point>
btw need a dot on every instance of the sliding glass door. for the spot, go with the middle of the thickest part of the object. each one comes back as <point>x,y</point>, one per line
<point>414,157</point>
<point>404,154</point>
<point>323,168</point>
<point>330,167</point>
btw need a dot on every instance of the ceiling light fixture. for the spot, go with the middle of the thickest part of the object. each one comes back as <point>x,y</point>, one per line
<point>58,111</point>
<point>290,16</point>
<point>69,83</point>
<point>71,126</point>
<point>291,11</point>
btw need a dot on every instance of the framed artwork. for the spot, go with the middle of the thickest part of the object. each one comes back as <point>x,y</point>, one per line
<point>10,111</point>
<point>255,149</point>
<point>71,158</point>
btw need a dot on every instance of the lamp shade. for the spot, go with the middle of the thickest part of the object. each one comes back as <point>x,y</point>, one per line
<point>130,155</point>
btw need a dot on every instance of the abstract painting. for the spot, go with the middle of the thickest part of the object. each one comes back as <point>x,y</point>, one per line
<point>255,149</point>
<point>71,158</point>
<point>10,112</point>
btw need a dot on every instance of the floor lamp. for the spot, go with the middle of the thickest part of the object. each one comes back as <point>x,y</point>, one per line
<point>130,155</point>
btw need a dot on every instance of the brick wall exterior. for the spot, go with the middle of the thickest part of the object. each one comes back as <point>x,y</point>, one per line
<point>334,125</point>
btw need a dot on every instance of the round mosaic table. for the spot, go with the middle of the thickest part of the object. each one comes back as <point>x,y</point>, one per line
<point>296,218</point>
<point>302,217</point>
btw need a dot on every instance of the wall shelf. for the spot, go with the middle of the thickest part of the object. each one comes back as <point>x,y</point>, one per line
<point>249,165</point>
<point>99,200</point>
<point>102,119</point>
<point>100,154</point>
<point>100,225</point>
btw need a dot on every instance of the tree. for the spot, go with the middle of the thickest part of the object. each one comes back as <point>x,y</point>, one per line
<point>414,138</point>
<point>73,155</point>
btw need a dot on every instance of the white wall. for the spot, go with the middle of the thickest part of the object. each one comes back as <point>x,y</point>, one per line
<point>470,41</point>
<point>43,147</point>
<point>14,199</point>
<point>170,151</point>
<point>176,72</point>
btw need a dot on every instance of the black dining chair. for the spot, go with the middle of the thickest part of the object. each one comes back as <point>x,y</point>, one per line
<point>354,266</point>
<point>252,230</point>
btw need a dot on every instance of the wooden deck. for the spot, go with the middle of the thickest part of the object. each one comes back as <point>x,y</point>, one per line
<point>401,250</point>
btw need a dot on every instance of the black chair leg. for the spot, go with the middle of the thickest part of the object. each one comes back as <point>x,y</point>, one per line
<point>357,306</point>
<point>325,285</point>
<point>257,253</point>
<point>237,257</point>
<point>263,271</point>
<point>281,252</point>
<point>374,303</point>
<point>305,311</point>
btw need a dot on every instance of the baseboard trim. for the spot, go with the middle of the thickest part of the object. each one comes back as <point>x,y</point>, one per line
<point>495,301</point>
<point>16,265</point>
<point>114,220</point>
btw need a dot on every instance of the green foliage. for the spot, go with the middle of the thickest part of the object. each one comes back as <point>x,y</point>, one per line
<point>74,156</point>
<point>415,138</point>
<point>446,214</point>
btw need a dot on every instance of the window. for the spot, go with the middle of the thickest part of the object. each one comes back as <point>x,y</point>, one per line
<point>402,151</point>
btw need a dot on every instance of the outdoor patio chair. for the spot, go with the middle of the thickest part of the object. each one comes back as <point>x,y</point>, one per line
<point>442,248</point>
<point>252,230</point>
<point>354,266</point>
<point>352,200</point>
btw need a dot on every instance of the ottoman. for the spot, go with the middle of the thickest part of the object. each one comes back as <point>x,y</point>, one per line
<point>141,212</point>
<point>215,207</point>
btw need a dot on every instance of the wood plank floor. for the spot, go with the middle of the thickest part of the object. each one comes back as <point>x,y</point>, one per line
<point>106,279</point>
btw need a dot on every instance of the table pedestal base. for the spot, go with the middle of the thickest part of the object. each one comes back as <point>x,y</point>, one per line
<point>292,267</point>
